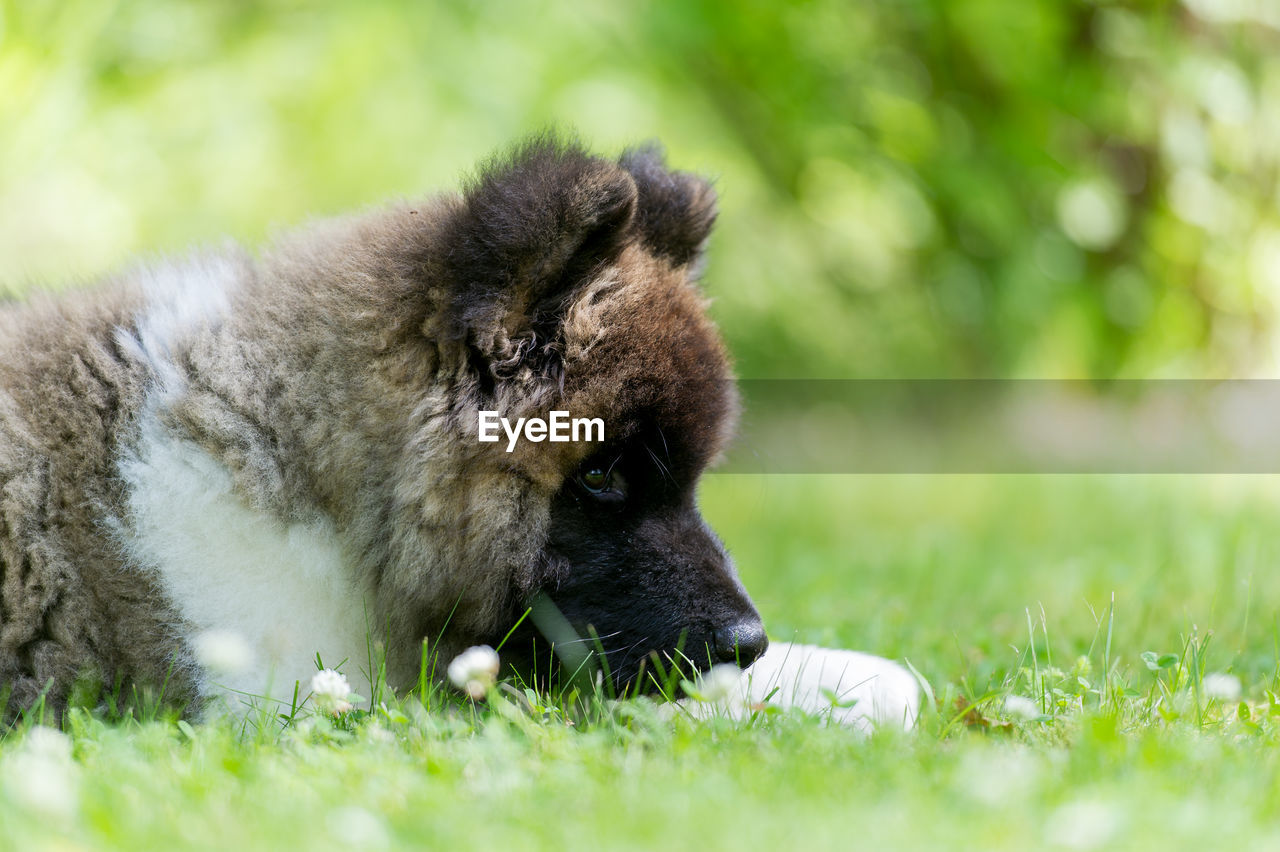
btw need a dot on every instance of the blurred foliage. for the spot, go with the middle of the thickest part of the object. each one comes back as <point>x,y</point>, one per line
<point>909,187</point>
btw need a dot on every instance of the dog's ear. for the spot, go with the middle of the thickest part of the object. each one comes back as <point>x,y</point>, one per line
<point>675,210</point>
<point>530,228</point>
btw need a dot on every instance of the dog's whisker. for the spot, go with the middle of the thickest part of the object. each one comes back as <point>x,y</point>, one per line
<point>666,474</point>
<point>588,639</point>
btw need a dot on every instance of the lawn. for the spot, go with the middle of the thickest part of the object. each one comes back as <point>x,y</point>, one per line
<point>1052,589</point>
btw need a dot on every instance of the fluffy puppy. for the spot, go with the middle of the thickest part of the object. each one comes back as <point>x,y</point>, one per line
<point>286,448</point>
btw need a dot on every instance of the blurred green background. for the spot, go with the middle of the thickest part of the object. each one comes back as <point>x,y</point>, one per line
<point>910,188</point>
<point>962,188</point>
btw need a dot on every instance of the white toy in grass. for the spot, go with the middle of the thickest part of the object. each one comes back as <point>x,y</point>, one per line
<point>850,688</point>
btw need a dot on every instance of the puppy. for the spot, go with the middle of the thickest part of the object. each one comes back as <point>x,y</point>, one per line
<point>292,448</point>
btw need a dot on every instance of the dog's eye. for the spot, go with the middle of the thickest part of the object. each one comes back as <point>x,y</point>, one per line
<point>603,484</point>
<point>595,479</point>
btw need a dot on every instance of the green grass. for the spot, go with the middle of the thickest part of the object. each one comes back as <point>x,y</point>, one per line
<point>990,586</point>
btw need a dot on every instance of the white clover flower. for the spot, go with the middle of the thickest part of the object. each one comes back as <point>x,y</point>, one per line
<point>474,671</point>
<point>41,776</point>
<point>1020,707</point>
<point>358,828</point>
<point>1083,825</point>
<point>377,733</point>
<point>997,776</point>
<point>47,743</point>
<point>331,691</point>
<point>718,683</point>
<point>224,652</point>
<point>1223,687</point>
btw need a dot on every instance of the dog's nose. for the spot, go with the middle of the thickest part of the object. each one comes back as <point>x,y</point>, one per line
<point>740,643</point>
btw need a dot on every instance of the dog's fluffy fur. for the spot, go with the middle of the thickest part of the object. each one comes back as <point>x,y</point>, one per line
<point>285,447</point>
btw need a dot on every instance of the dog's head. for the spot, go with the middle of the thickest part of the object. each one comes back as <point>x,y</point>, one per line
<point>575,290</point>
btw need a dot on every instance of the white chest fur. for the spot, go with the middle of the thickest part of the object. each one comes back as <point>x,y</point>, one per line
<point>285,590</point>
